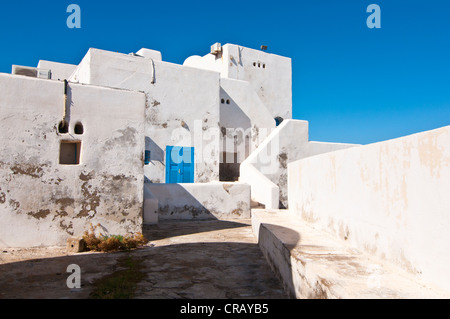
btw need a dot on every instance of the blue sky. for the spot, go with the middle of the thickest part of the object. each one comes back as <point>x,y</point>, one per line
<point>353,84</point>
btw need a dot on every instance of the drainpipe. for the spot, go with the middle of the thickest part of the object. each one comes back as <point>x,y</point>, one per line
<point>66,84</point>
<point>153,72</point>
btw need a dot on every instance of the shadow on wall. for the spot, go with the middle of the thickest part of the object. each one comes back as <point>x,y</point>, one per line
<point>236,138</point>
<point>176,203</point>
<point>157,154</point>
<point>231,115</point>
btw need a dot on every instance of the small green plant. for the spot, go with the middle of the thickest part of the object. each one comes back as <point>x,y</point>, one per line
<point>121,284</point>
<point>111,243</point>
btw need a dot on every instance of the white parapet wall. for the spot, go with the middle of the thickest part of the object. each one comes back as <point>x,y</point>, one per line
<point>390,199</point>
<point>213,200</point>
<point>264,191</point>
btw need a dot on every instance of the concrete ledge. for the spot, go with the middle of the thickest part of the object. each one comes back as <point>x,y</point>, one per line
<point>202,200</point>
<point>313,265</point>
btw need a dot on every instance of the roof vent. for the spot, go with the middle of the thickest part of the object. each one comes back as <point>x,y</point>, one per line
<point>216,48</point>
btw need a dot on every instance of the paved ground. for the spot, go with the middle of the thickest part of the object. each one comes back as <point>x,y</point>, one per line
<point>184,260</point>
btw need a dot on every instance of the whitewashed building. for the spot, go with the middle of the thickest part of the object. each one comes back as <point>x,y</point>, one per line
<point>124,140</point>
<point>128,139</point>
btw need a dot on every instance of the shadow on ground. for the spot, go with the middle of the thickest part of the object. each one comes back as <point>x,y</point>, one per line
<point>184,260</point>
<point>170,229</point>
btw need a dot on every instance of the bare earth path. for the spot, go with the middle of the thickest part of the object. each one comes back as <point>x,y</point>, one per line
<point>184,260</point>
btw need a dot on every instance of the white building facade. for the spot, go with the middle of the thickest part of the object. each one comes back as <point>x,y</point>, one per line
<point>124,140</point>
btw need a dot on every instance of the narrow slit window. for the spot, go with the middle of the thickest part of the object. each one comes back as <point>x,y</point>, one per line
<point>69,153</point>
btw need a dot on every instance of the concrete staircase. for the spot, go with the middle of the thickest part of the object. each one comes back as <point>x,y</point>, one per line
<point>314,265</point>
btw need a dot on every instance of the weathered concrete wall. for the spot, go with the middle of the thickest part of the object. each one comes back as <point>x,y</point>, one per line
<point>389,199</point>
<point>182,106</point>
<point>288,143</point>
<point>202,201</point>
<point>42,203</point>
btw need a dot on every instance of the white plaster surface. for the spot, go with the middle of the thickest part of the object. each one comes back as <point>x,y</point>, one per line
<point>184,102</point>
<point>247,118</point>
<point>271,76</point>
<point>182,106</point>
<point>389,199</point>
<point>42,203</point>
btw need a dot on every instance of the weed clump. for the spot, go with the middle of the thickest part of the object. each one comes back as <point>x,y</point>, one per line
<point>109,243</point>
<point>121,284</point>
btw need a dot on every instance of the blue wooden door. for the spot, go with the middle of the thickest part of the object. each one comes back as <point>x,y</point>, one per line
<point>179,164</point>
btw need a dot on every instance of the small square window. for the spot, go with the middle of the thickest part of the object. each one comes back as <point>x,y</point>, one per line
<point>69,153</point>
